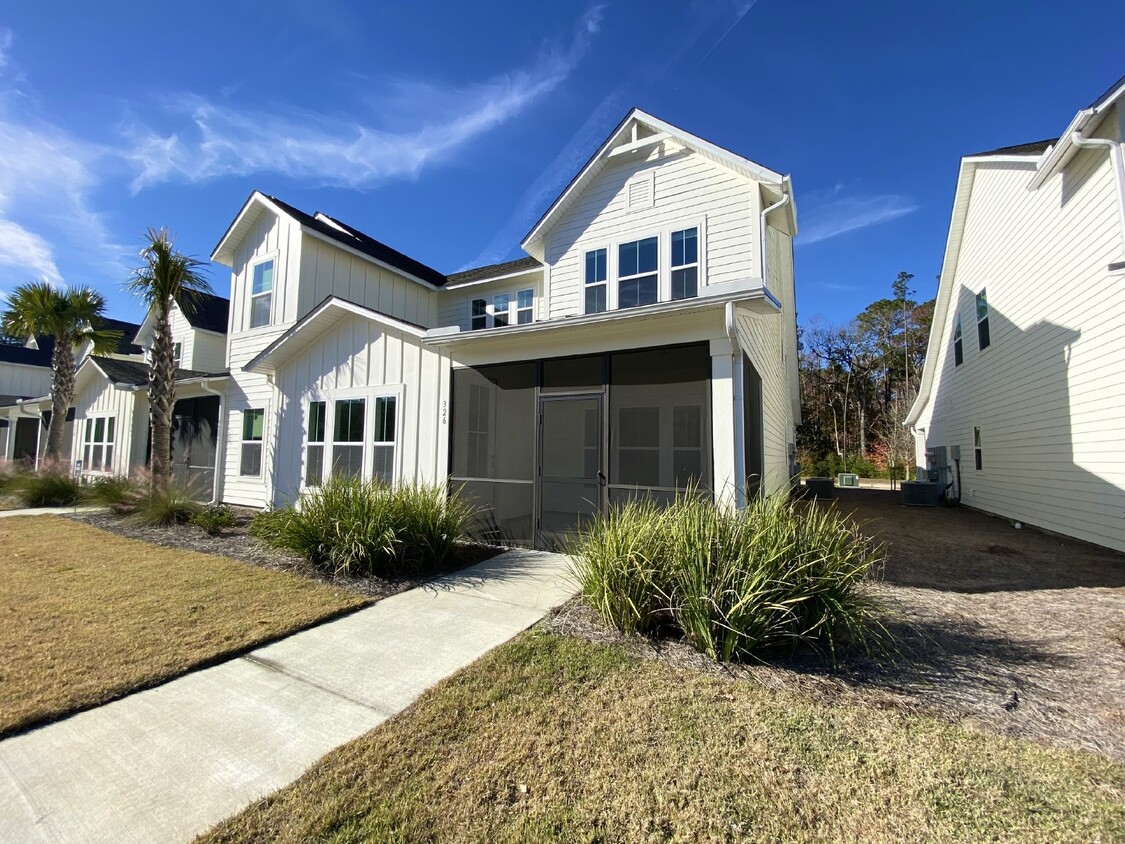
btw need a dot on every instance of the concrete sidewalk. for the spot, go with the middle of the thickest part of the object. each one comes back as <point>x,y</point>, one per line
<point>168,763</point>
<point>51,511</point>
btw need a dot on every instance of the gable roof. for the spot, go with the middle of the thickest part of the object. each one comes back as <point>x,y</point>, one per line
<point>660,131</point>
<point>1088,117</point>
<point>210,313</point>
<point>1032,148</point>
<point>131,373</point>
<point>507,268</point>
<point>125,346</point>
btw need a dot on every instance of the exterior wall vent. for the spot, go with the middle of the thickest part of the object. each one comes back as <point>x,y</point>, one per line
<point>640,191</point>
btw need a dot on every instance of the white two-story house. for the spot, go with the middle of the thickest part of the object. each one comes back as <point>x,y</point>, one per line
<point>1022,395</point>
<point>646,345</point>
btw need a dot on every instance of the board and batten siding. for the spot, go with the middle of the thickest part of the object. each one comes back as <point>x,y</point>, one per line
<point>688,190</point>
<point>1048,393</point>
<point>359,355</point>
<point>101,398</point>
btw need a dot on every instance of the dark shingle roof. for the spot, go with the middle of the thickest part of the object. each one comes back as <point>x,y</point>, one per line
<point>30,357</point>
<point>125,345</point>
<point>135,372</point>
<point>361,242</point>
<point>210,313</point>
<point>8,401</point>
<point>1108,93</point>
<point>1033,148</point>
<point>494,270</point>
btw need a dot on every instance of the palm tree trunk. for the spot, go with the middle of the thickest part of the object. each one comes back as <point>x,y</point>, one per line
<point>162,398</point>
<point>62,394</point>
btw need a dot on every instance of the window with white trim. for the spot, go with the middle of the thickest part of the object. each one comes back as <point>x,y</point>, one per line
<point>97,444</point>
<point>637,275</point>
<point>479,314</point>
<point>347,437</point>
<point>525,306</point>
<point>501,306</point>
<point>596,283</point>
<point>178,354</point>
<point>685,264</point>
<point>314,443</point>
<point>383,443</point>
<point>984,339</point>
<point>978,450</point>
<point>261,294</point>
<point>253,435</point>
<point>958,346</point>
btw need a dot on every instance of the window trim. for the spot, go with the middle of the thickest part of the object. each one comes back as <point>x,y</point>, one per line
<point>978,449</point>
<point>609,265</point>
<point>178,353</point>
<point>982,320</point>
<point>90,420</point>
<point>242,441</point>
<point>530,308</point>
<point>250,296</point>
<point>306,442</point>
<point>672,267</point>
<point>507,296</point>
<point>370,395</point>
<point>958,341</point>
<point>513,310</point>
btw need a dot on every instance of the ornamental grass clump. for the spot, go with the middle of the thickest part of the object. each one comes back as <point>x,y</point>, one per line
<point>731,583</point>
<point>355,527</point>
<point>52,485</point>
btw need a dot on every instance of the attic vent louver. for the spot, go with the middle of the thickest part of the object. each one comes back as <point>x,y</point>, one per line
<point>639,192</point>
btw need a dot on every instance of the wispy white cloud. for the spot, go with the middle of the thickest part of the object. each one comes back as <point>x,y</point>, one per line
<point>6,39</point>
<point>27,251</point>
<point>831,213</point>
<point>433,121</point>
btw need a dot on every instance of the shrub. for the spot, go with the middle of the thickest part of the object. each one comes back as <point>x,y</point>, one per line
<point>731,582</point>
<point>156,507</point>
<point>51,486</point>
<point>214,518</point>
<point>109,491</point>
<point>355,527</point>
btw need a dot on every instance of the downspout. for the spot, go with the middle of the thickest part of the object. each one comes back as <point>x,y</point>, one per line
<point>762,233</point>
<point>1118,161</point>
<point>220,440</point>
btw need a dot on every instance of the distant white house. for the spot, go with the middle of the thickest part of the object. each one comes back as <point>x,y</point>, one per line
<point>647,343</point>
<point>1023,393</point>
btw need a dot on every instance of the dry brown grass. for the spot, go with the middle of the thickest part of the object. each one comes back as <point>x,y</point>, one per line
<point>552,738</point>
<point>86,616</point>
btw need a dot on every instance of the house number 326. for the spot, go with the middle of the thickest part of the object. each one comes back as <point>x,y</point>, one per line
<point>444,410</point>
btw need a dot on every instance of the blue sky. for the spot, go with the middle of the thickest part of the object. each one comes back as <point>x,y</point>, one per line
<point>445,129</point>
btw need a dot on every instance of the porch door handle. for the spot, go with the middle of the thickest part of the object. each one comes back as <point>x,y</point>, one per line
<point>601,479</point>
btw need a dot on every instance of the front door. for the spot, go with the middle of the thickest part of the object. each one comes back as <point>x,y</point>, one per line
<point>571,479</point>
<point>26,439</point>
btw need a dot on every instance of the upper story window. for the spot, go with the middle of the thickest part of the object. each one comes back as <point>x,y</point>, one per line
<point>983,337</point>
<point>596,284</point>
<point>958,346</point>
<point>479,315</point>
<point>637,278</point>
<point>685,263</point>
<point>497,312</point>
<point>178,354</point>
<point>261,294</point>
<point>501,307</point>
<point>525,306</point>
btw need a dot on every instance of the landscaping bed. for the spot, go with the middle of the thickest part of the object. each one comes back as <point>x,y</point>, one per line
<point>89,616</point>
<point>553,738</point>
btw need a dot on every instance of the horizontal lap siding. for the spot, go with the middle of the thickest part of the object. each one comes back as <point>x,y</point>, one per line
<point>1048,394</point>
<point>759,337</point>
<point>688,188</point>
<point>359,353</point>
<point>20,380</point>
<point>454,306</point>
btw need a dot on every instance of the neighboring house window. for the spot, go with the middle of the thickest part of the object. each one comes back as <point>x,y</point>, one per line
<point>525,307</point>
<point>347,438</point>
<point>983,337</point>
<point>958,347</point>
<point>314,444</point>
<point>596,281</point>
<point>479,314</point>
<point>253,425</point>
<point>636,273</point>
<point>384,442</point>
<point>685,263</point>
<point>97,444</point>
<point>261,294</point>
<point>501,305</point>
<point>977,449</point>
<point>177,353</point>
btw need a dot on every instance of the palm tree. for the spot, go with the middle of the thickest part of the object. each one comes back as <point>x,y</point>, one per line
<point>68,316</point>
<point>166,276</point>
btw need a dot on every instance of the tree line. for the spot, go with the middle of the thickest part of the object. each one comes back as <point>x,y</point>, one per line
<point>858,381</point>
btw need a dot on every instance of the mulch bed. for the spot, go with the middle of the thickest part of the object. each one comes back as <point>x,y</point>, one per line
<point>237,544</point>
<point>1011,631</point>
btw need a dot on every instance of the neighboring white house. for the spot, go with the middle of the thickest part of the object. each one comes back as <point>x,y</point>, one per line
<point>1023,385</point>
<point>647,344</point>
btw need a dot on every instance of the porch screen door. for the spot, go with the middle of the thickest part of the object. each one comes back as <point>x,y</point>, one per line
<point>571,483</point>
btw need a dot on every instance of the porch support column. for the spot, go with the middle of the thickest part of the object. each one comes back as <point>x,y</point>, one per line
<point>729,480</point>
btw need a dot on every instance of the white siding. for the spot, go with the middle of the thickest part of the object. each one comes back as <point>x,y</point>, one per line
<point>689,190</point>
<point>454,306</point>
<point>100,398</point>
<point>358,354</point>
<point>200,350</point>
<point>759,337</point>
<point>17,379</point>
<point>1048,393</point>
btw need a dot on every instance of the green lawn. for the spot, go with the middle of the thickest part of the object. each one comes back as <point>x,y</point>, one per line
<point>88,616</point>
<point>557,739</point>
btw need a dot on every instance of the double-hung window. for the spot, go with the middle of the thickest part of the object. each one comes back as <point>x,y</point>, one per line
<point>97,444</point>
<point>314,443</point>
<point>178,354</point>
<point>253,428</point>
<point>261,294</point>
<point>383,469</point>
<point>637,279</point>
<point>596,281</point>
<point>958,346</point>
<point>978,450</point>
<point>501,305</point>
<point>525,306</point>
<point>479,315</point>
<point>685,264</point>
<point>347,438</point>
<point>983,337</point>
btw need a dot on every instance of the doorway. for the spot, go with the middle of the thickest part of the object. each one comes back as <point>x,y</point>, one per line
<point>572,476</point>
